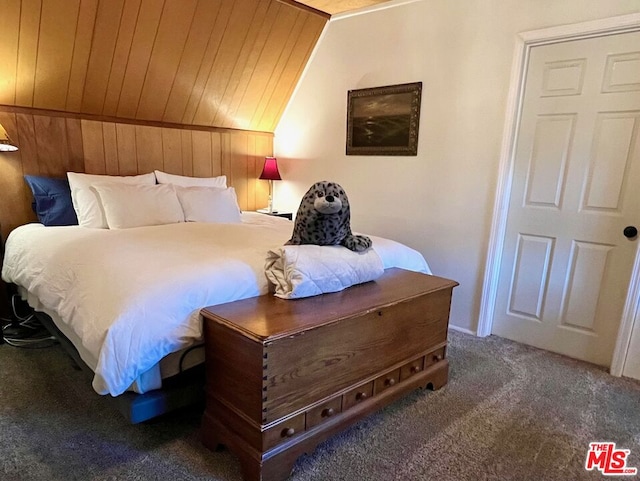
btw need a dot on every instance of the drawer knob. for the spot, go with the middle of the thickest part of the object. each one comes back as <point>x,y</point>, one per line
<point>390,381</point>
<point>287,433</point>
<point>437,357</point>
<point>361,396</point>
<point>327,413</point>
<point>415,369</point>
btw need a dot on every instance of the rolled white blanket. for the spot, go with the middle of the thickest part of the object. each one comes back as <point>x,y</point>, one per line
<point>309,270</point>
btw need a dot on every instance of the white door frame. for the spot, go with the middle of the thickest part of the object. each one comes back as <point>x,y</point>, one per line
<point>524,42</point>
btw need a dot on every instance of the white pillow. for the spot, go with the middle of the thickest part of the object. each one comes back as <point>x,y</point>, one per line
<point>128,205</point>
<point>184,181</point>
<point>209,204</point>
<point>85,201</point>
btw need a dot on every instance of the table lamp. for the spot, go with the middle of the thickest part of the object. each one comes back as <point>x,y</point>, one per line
<point>6,145</point>
<point>270,173</point>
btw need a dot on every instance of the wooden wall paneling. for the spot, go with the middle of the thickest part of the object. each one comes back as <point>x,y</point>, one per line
<point>52,145</point>
<point>27,144</point>
<point>128,21</point>
<point>74,145</point>
<point>10,28</point>
<point>93,142</point>
<point>234,37</point>
<point>191,59</point>
<point>250,44</point>
<point>217,32</point>
<point>202,155</point>
<point>254,168</point>
<point>148,148</point>
<point>264,148</point>
<point>139,56</point>
<point>242,82</point>
<point>110,146</point>
<point>226,159</point>
<point>251,168</point>
<point>240,167</point>
<point>216,153</point>
<point>52,148</point>
<point>101,56</point>
<point>170,41</point>
<point>187,152</point>
<point>15,196</point>
<point>172,151</point>
<point>296,62</point>
<point>275,79</point>
<point>27,51</point>
<point>55,53</point>
<point>81,51</point>
<point>223,63</point>
<point>279,34</point>
<point>127,155</point>
<point>326,8</point>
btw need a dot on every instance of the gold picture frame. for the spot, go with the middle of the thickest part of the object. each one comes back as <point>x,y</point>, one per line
<point>384,120</point>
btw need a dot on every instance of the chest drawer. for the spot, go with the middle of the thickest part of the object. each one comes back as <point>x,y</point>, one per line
<point>411,368</point>
<point>386,381</point>
<point>357,395</point>
<point>323,412</point>
<point>283,431</point>
<point>434,357</point>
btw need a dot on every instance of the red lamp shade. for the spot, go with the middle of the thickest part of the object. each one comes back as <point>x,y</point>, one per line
<point>270,169</point>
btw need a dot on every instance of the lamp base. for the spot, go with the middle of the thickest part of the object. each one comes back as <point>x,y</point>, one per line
<point>269,208</point>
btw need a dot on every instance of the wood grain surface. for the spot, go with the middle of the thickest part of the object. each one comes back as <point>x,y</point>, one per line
<point>52,144</point>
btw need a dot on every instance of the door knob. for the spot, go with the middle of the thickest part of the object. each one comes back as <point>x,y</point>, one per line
<point>630,232</point>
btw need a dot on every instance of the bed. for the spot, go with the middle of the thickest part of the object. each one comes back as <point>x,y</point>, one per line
<point>128,300</point>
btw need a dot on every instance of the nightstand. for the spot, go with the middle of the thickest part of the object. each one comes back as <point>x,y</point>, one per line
<point>275,213</point>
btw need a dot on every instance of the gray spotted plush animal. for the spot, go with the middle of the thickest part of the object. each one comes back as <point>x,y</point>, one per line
<point>324,219</point>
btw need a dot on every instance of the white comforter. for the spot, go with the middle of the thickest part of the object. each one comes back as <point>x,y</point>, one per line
<point>133,296</point>
<point>310,270</point>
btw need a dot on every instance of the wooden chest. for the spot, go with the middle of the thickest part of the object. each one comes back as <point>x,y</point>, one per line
<point>283,375</point>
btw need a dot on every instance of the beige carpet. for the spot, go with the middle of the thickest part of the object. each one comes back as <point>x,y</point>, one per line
<point>509,412</point>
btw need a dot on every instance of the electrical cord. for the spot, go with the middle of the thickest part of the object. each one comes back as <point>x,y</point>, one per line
<point>25,331</point>
<point>14,310</point>
<point>184,355</point>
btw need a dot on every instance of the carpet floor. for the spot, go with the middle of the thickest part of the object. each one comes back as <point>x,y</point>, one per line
<point>509,412</point>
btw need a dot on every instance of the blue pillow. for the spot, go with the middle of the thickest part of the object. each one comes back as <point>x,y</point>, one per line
<point>52,200</point>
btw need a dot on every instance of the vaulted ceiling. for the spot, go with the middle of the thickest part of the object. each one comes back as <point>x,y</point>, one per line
<point>222,63</point>
<point>213,63</point>
<point>333,7</point>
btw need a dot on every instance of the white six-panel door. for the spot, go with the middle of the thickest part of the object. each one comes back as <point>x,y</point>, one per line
<point>566,263</point>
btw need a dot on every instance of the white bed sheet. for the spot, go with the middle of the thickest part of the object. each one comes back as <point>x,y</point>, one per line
<point>131,297</point>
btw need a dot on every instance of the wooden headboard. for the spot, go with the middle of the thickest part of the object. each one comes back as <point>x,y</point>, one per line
<point>52,144</point>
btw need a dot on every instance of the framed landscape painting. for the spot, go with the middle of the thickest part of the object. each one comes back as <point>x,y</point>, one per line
<point>384,120</point>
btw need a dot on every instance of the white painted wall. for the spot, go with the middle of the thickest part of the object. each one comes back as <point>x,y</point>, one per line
<point>439,202</point>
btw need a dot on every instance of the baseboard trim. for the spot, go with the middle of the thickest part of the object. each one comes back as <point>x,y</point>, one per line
<point>462,329</point>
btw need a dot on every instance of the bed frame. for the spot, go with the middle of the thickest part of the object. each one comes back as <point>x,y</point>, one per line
<point>179,391</point>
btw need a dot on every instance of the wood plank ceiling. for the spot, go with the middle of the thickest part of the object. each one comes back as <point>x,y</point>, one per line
<point>334,7</point>
<point>212,63</point>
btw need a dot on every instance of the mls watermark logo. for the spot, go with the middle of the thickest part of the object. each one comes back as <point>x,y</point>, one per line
<point>608,460</point>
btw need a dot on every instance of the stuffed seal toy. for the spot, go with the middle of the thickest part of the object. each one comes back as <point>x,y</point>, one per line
<point>324,219</point>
